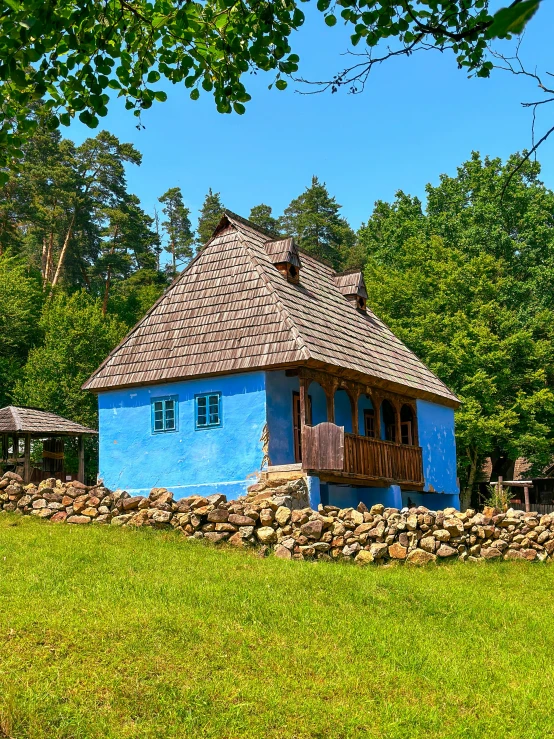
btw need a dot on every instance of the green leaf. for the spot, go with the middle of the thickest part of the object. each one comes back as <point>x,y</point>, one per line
<point>512,19</point>
<point>160,96</point>
<point>195,94</point>
<point>281,84</point>
<point>330,20</point>
<point>239,108</point>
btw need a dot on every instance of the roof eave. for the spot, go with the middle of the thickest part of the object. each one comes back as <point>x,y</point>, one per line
<point>407,390</point>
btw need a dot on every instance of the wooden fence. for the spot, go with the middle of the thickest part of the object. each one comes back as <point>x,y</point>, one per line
<point>541,508</point>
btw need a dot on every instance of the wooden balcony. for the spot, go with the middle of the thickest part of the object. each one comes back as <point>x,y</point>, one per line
<point>327,448</point>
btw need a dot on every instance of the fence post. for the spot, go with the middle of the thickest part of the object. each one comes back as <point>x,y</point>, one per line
<point>526,495</point>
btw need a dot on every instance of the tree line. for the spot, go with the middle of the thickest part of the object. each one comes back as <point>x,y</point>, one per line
<point>466,279</point>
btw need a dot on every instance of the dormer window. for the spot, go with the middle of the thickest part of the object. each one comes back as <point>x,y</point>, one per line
<point>284,255</point>
<point>352,286</point>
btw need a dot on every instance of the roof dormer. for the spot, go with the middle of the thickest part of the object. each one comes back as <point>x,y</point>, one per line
<point>352,286</point>
<point>283,253</point>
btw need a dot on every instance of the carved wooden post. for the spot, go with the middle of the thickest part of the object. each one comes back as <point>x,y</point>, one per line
<point>330,398</point>
<point>329,389</point>
<point>27,463</point>
<point>81,470</point>
<point>15,448</point>
<point>415,435</point>
<point>526,496</point>
<point>354,397</point>
<point>398,428</point>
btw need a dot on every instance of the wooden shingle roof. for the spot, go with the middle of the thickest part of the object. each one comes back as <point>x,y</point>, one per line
<point>283,250</point>
<point>351,283</point>
<point>16,419</point>
<point>231,310</point>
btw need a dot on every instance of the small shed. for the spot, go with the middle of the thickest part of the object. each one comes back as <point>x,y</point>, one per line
<point>18,423</point>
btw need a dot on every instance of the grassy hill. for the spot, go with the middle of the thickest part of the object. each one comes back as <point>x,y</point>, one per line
<point>120,633</point>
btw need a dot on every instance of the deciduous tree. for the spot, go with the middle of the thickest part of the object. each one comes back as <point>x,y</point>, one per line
<point>20,308</point>
<point>76,52</point>
<point>468,285</point>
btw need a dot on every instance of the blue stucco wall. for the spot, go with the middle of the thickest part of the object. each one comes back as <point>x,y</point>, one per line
<point>433,501</point>
<point>348,496</point>
<point>435,425</point>
<point>279,416</point>
<point>343,410</point>
<point>319,403</point>
<point>187,461</point>
<point>314,491</point>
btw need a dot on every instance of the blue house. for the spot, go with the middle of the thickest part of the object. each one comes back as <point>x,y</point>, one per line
<point>261,358</point>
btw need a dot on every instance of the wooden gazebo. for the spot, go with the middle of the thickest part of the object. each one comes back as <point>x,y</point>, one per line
<point>31,423</point>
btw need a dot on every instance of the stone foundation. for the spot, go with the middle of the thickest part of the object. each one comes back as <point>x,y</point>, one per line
<point>274,515</point>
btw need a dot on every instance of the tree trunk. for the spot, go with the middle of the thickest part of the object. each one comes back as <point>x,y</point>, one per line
<point>85,276</point>
<point>43,260</point>
<point>62,254</point>
<point>48,262</point>
<point>107,291</point>
<point>465,497</point>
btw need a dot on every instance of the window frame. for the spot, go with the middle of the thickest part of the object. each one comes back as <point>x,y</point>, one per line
<point>163,399</point>
<point>207,426</point>
<point>369,413</point>
<point>408,427</point>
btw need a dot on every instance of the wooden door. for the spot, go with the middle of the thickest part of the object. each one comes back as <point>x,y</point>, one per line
<point>296,424</point>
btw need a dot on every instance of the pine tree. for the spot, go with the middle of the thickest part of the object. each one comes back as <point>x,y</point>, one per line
<point>210,215</point>
<point>177,227</point>
<point>261,216</point>
<point>127,246</point>
<point>313,219</point>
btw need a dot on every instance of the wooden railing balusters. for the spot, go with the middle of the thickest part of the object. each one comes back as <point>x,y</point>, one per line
<point>327,447</point>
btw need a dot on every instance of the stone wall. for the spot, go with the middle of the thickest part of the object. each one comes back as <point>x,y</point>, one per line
<point>274,515</point>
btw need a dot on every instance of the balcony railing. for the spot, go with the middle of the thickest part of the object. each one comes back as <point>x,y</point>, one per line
<point>327,447</point>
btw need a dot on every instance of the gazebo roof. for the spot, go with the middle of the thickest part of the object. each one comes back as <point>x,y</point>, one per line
<point>16,419</point>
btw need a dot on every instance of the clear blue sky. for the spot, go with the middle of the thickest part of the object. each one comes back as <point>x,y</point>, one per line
<point>418,118</point>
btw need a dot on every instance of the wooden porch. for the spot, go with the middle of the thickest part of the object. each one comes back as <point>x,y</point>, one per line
<point>328,449</point>
<point>339,456</point>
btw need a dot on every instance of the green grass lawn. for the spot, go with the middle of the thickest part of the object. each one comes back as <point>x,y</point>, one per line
<point>119,633</point>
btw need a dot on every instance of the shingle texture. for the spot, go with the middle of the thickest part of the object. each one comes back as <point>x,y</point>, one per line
<point>283,250</point>
<point>351,283</point>
<point>231,310</point>
<point>14,419</point>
